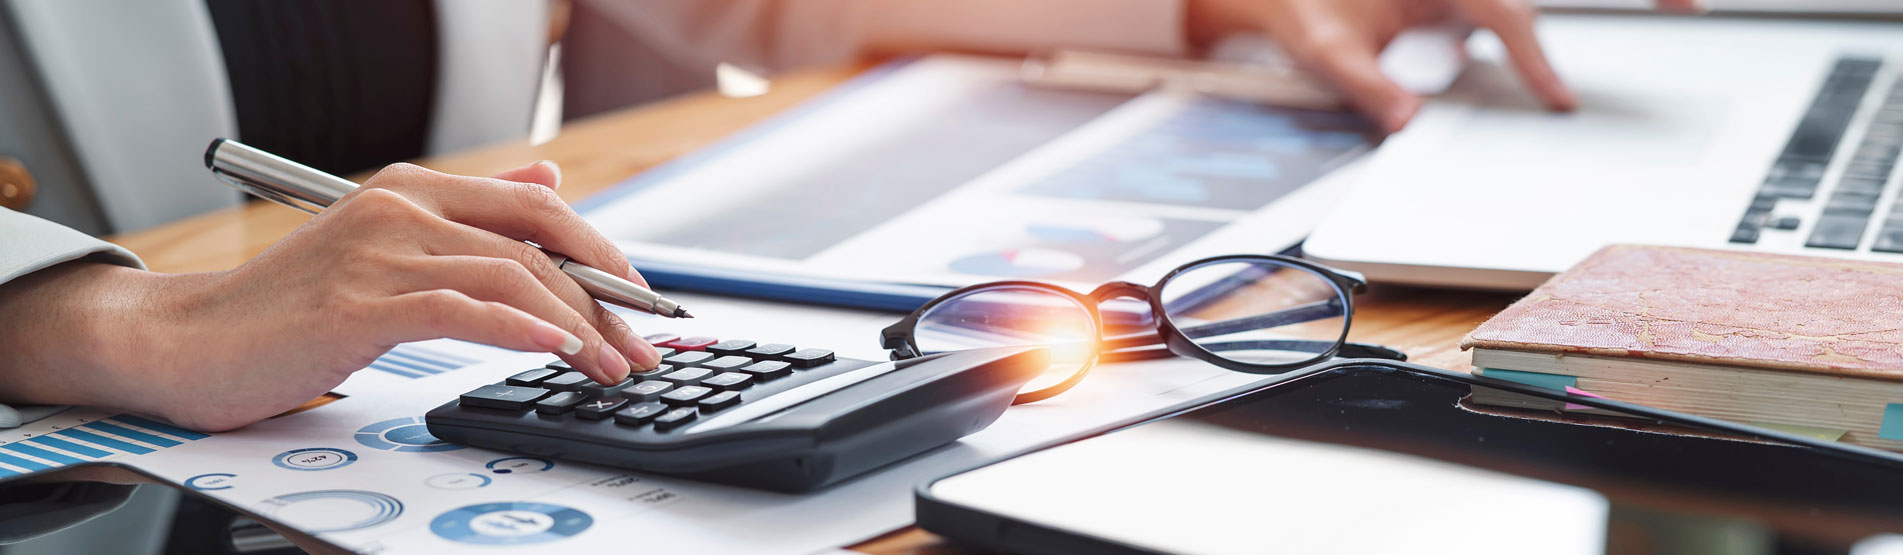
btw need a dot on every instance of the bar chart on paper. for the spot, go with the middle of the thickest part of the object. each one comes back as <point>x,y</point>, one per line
<point>83,435</point>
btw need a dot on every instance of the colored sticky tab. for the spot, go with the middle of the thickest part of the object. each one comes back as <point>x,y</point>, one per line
<point>1549,381</point>
<point>1581,393</point>
<point>1892,422</point>
<point>1813,432</point>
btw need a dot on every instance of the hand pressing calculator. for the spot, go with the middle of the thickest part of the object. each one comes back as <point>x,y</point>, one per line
<point>769,416</point>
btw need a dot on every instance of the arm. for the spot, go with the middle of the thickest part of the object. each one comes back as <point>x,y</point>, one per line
<point>412,255</point>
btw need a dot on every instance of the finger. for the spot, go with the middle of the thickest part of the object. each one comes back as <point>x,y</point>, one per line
<point>544,173</point>
<point>1356,69</point>
<point>461,240</point>
<point>508,282</point>
<point>1512,21</point>
<point>520,211</point>
<point>443,313</point>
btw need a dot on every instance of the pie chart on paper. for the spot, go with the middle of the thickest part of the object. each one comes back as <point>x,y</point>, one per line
<point>1022,262</point>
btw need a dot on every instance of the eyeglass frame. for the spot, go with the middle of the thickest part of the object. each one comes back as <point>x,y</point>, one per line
<point>900,338</point>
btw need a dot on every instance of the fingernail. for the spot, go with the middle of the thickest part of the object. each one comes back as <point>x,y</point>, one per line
<point>641,352</point>
<point>556,339</point>
<point>552,166</point>
<point>612,364</point>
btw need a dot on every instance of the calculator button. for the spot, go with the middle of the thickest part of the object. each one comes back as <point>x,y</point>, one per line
<point>687,376</point>
<point>768,369</point>
<point>692,343</point>
<point>808,358</point>
<point>660,339</point>
<point>688,358</point>
<point>726,363</point>
<point>530,378</point>
<point>505,397</point>
<point>567,381</point>
<point>685,395</point>
<point>675,418</point>
<point>663,352</point>
<point>559,403</point>
<point>639,413</point>
<point>729,381</point>
<point>597,408</point>
<point>646,391</point>
<point>719,401</point>
<point>595,389</point>
<point>730,347</point>
<point>560,366</point>
<point>770,350</point>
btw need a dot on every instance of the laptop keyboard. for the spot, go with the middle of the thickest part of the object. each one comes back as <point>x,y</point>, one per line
<point>1800,168</point>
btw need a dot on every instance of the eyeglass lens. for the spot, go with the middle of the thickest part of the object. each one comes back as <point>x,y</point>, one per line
<point>1257,311</point>
<point>1010,317</point>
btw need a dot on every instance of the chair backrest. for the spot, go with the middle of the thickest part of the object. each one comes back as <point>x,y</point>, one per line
<point>139,88</point>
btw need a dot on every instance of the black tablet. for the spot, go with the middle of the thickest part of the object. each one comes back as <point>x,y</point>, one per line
<point>1380,457</point>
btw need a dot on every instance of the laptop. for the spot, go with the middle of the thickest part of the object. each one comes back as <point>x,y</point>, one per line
<point>1748,134</point>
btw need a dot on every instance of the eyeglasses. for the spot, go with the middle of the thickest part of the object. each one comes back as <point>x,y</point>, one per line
<point>1259,314</point>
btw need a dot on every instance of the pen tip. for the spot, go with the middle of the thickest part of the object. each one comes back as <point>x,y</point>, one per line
<point>678,313</point>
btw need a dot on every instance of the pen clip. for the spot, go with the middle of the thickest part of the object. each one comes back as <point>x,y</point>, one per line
<point>265,193</point>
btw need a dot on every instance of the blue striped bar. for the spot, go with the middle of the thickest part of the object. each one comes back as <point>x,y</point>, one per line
<point>426,355</point>
<point>380,365</point>
<point>160,427</point>
<point>41,453</point>
<point>23,463</point>
<point>70,446</point>
<point>105,441</point>
<point>5,472</point>
<point>122,431</point>
<point>391,361</point>
<point>425,359</point>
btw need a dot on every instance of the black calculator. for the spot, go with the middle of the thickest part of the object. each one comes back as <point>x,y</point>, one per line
<point>761,415</point>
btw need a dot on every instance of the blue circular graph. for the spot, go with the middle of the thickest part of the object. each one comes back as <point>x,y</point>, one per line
<point>510,523</point>
<point>407,434</point>
<point>508,465</point>
<point>335,510</point>
<point>314,458</point>
<point>212,482</point>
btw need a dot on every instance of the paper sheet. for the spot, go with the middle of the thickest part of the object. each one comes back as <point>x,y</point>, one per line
<point>357,473</point>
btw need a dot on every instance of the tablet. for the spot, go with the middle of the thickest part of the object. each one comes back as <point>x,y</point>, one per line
<point>1365,457</point>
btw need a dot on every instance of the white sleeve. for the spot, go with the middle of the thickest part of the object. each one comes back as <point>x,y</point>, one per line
<point>29,244</point>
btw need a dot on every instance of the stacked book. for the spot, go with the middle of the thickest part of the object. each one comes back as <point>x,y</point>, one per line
<point>1806,345</point>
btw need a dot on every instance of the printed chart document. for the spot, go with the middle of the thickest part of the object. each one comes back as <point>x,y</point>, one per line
<point>365,473</point>
<point>947,170</point>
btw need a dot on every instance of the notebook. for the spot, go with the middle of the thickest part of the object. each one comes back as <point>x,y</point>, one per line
<point>1804,344</point>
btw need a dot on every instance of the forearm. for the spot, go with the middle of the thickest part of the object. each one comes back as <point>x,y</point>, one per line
<point>1147,26</point>
<point>76,333</point>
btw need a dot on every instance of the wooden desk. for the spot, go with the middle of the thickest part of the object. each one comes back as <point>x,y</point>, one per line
<point>601,151</point>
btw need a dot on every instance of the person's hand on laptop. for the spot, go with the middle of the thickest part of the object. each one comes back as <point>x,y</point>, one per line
<point>1342,40</point>
<point>412,255</point>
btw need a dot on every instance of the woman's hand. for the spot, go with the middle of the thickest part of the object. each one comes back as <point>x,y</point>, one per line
<point>1342,41</point>
<point>412,255</point>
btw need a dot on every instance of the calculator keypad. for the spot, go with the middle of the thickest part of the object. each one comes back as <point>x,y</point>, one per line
<point>698,376</point>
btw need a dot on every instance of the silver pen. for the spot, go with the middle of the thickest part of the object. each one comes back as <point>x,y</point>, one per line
<point>276,179</point>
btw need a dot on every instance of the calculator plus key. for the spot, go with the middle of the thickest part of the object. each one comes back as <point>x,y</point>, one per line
<point>504,397</point>
<point>639,413</point>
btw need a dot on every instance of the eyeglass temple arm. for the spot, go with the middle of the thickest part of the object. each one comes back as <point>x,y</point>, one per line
<point>1292,315</point>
